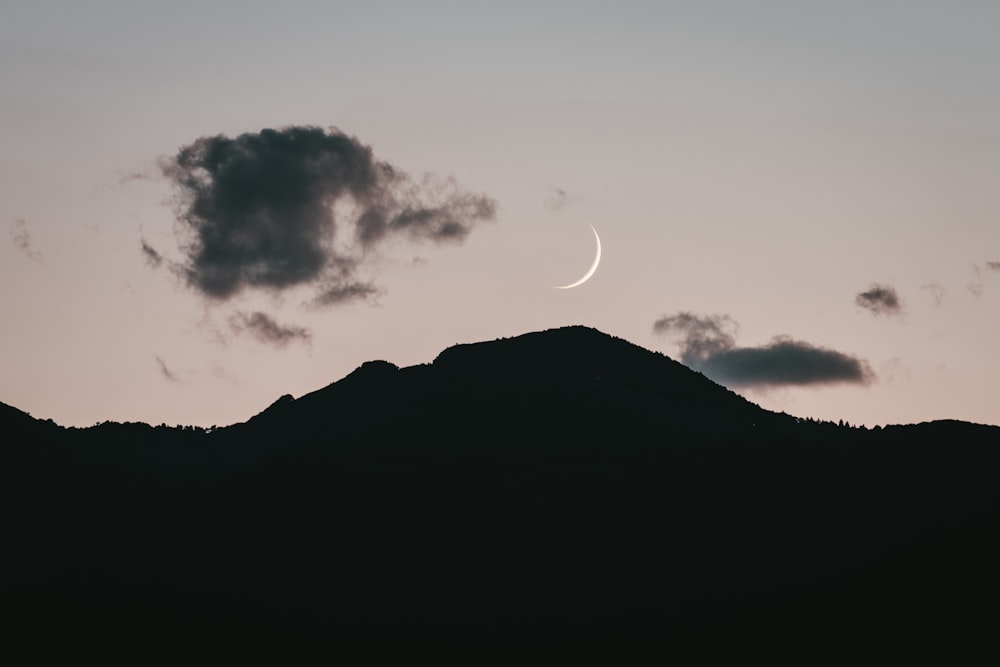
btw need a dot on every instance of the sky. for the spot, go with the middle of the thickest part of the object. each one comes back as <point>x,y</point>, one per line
<point>206,205</point>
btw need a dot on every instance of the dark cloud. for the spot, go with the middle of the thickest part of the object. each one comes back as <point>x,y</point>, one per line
<point>263,327</point>
<point>708,344</point>
<point>153,257</point>
<point>22,240</point>
<point>880,300</point>
<point>164,371</point>
<point>263,210</point>
<point>993,266</point>
<point>937,292</point>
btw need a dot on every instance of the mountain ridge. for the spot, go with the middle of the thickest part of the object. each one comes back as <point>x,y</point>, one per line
<point>593,367</point>
<point>536,352</point>
<point>563,484</point>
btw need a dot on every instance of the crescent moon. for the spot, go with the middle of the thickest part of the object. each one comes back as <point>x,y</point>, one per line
<point>593,267</point>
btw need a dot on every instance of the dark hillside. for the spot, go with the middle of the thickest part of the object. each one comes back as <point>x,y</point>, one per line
<point>559,485</point>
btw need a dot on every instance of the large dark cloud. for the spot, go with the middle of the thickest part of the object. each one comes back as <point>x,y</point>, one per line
<point>880,300</point>
<point>263,210</point>
<point>993,266</point>
<point>266,330</point>
<point>708,344</point>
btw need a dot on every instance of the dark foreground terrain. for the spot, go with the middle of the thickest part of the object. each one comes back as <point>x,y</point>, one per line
<point>562,486</point>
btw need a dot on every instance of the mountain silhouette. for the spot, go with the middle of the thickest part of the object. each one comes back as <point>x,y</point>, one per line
<point>559,485</point>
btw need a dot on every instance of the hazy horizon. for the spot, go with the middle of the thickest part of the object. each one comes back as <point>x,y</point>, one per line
<point>795,198</point>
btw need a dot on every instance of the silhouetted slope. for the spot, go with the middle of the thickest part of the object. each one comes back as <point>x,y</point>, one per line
<point>11,417</point>
<point>561,484</point>
<point>586,360</point>
<point>19,424</point>
<point>558,384</point>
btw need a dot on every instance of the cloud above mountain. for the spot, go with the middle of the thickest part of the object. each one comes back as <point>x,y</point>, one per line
<point>300,205</point>
<point>708,344</point>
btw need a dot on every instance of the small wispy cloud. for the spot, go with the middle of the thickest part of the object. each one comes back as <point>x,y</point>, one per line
<point>557,199</point>
<point>164,369</point>
<point>937,292</point>
<point>153,257</point>
<point>880,300</point>
<point>266,330</point>
<point>339,293</point>
<point>975,286</point>
<point>22,240</point>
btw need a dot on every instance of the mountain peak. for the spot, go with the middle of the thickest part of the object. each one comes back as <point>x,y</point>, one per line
<point>562,369</point>
<point>553,348</point>
<point>583,356</point>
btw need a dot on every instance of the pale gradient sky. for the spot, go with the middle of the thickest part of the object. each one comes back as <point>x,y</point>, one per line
<point>765,160</point>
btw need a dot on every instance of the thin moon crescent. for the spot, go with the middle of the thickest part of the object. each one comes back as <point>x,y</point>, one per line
<point>593,267</point>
